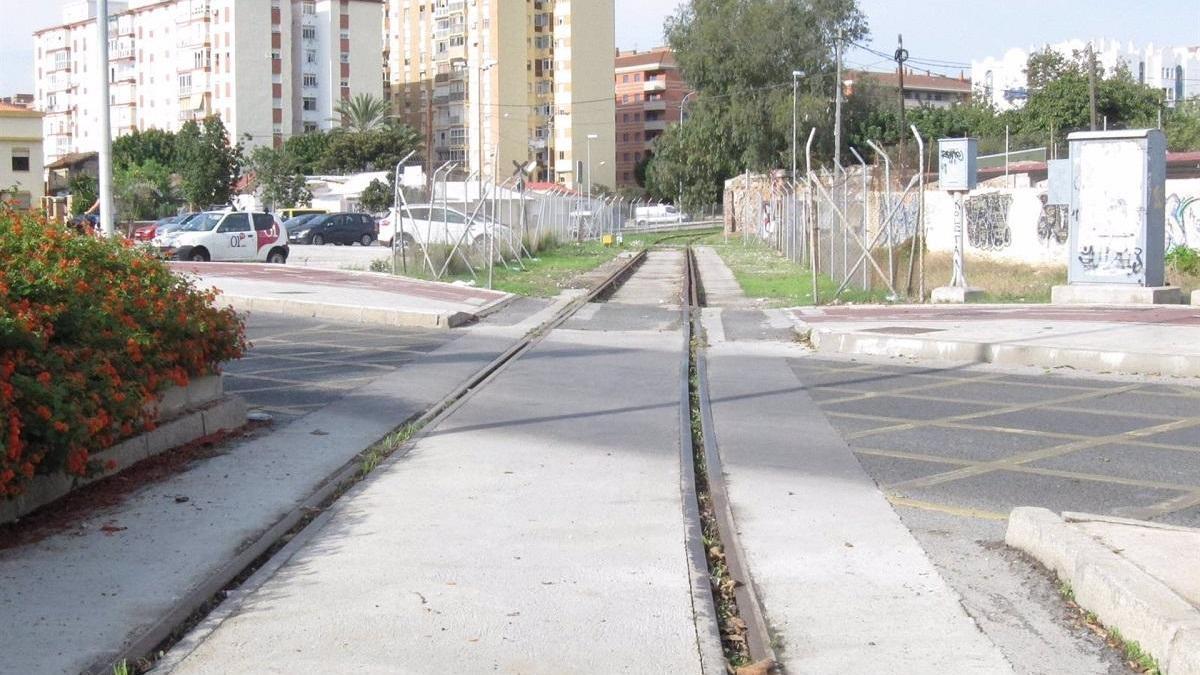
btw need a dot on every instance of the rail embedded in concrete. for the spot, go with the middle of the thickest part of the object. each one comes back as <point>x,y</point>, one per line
<point>157,637</point>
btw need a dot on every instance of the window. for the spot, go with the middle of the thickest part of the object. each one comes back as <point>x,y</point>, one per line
<point>309,32</point>
<point>310,80</point>
<point>263,222</point>
<point>310,127</point>
<point>310,103</point>
<point>310,56</point>
<point>236,222</point>
<point>20,160</point>
<point>310,7</point>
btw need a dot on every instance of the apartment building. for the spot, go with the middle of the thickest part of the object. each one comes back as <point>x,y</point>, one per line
<point>921,89</point>
<point>268,68</point>
<point>20,155</point>
<point>493,82</point>
<point>1175,71</point>
<point>649,95</point>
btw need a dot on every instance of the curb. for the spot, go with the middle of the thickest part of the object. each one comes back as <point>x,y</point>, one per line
<point>1094,360</point>
<point>1120,594</point>
<point>351,313</point>
<point>224,414</point>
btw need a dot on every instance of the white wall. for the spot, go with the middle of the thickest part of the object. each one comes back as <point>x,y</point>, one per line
<point>1012,225</point>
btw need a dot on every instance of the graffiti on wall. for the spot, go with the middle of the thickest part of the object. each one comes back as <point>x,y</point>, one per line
<point>1183,221</point>
<point>1052,223</point>
<point>987,221</point>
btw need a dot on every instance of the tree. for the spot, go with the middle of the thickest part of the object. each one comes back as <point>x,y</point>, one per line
<point>206,162</point>
<point>278,177</point>
<point>739,57</point>
<point>84,190</point>
<point>140,147</point>
<point>378,150</point>
<point>1182,127</point>
<point>364,113</point>
<point>144,191</point>
<point>377,197</point>
<point>308,150</point>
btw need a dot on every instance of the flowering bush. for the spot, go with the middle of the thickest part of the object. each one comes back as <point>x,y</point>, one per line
<point>90,331</point>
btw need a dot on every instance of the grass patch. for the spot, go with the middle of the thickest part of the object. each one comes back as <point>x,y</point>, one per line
<point>1004,282</point>
<point>554,267</point>
<point>764,274</point>
<point>1134,656</point>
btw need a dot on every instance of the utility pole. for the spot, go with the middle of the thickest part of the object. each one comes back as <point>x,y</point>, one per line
<point>106,194</point>
<point>1092,82</point>
<point>837,124</point>
<point>901,57</point>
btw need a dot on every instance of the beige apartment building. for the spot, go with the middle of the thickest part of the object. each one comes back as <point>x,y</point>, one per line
<point>268,68</point>
<point>493,82</point>
<point>21,174</point>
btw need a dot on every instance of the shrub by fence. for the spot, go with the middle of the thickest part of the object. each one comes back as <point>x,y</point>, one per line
<point>90,331</point>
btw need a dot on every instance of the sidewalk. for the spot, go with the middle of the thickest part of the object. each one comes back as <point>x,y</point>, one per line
<point>360,297</point>
<point>79,597</point>
<point>1161,340</point>
<point>844,585</point>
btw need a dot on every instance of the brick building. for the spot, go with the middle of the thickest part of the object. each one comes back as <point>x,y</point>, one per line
<point>649,91</point>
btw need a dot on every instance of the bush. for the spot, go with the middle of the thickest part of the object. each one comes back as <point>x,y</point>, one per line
<point>1184,260</point>
<point>90,331</point>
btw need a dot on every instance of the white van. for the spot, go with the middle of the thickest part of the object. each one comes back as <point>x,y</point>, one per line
<point>227,236</point>
<point>658,215</point>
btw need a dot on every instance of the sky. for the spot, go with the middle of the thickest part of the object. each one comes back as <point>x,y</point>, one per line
<point>943,30</point>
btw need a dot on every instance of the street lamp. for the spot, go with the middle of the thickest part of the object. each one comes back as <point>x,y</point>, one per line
<point>796,75</point>
<point>590,138</point>
<point>683,104</point>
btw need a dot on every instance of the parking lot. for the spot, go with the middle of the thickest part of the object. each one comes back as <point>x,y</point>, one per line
<point>298,365</point>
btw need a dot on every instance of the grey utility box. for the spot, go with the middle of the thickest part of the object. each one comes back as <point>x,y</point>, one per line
<point>957,164</point>
<point>1118,202</point>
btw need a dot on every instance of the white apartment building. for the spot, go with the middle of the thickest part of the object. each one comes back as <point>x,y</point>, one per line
<point>492,82</point>
<point>1174,70</point>
<point>268,68</point>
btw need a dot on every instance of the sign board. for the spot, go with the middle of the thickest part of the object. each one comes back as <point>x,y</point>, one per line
<point>1118,207</point>
<point>1058,183</point>
<point>957,163</point>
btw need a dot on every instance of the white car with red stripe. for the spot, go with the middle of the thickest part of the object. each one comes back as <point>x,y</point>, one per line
<point>227,236</point>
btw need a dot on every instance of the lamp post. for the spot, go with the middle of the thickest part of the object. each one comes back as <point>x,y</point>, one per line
<point>796,75</point>
<point>105,154</point>
<point>683,104</point>
<point>590,138</point>
<point>481,68</point>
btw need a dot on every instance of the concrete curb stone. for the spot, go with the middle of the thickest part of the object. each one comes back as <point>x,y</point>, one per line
<point>1117,591</point>
<point>349,313</point>
<point>222,414</point>
<point>850,342</point>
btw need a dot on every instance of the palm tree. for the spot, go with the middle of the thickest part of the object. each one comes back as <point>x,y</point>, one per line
<point>364,113</point>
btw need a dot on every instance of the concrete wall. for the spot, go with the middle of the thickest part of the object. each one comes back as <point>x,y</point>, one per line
<point>1015,225</point>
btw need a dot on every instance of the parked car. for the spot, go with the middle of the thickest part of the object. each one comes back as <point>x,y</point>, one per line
<point>296,224</point>
<point>434,224</point>
<point>658,215</point>
<point>287,214</point>
<point>147,233</point>
<point>227,236</point>
<point>335,228</point>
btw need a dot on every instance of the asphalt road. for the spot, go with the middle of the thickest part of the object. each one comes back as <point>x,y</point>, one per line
<point>298,365</point>
<point>955,449</point>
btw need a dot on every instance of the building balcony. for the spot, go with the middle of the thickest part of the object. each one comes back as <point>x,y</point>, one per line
<point>655,105</point>
<point>193,10</point>
<point>656,125</point>
<point>650,86</point>
<point>60,67</point>
<point>125,53</point>
<point>455,7</point>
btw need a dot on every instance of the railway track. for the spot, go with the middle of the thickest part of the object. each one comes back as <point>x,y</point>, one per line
<point>731,628</point>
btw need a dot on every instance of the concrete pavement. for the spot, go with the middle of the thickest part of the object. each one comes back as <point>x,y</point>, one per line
<point>124,568</point>
<point>538,529</point>
<point>1160,340</point>
<point>357,297</point>
<point>843,583</point>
